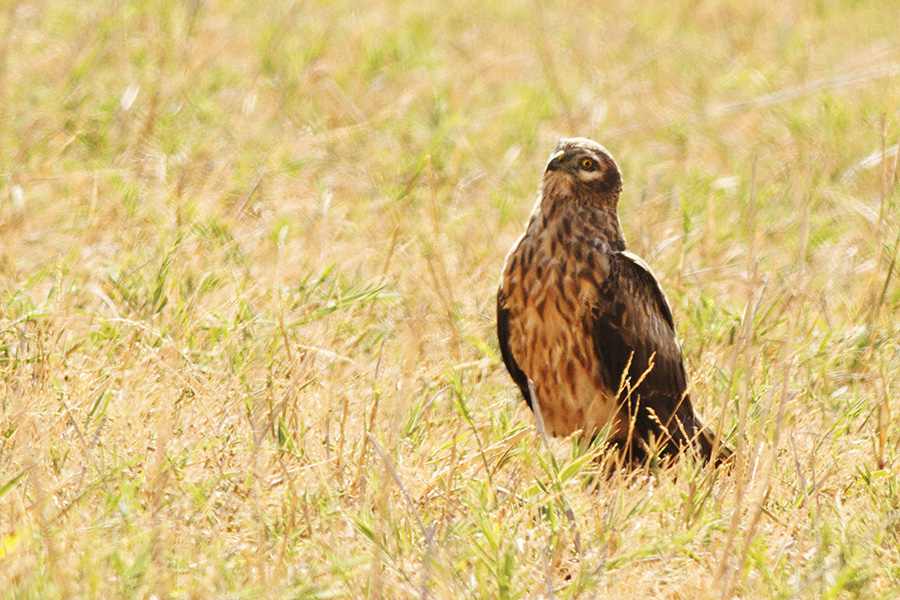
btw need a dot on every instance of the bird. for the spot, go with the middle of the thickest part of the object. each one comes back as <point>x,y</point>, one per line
<point>584,328</point>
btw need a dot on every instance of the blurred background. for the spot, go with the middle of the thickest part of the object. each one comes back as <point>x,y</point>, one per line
<point>245,248</point>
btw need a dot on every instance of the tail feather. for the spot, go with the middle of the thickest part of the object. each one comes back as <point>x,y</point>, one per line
<point>708,443</point>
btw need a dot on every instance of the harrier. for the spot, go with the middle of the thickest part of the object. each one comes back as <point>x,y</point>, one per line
<point>585,329</point>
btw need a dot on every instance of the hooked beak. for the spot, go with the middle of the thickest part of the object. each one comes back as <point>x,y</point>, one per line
<point>556,161</point>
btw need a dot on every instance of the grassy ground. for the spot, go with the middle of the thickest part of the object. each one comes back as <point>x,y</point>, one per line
<point>247,266</point>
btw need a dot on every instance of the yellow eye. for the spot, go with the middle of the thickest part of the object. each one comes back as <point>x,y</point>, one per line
<point>587,164</point>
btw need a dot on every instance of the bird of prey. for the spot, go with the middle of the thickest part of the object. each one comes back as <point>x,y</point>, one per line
<point>584,328</point>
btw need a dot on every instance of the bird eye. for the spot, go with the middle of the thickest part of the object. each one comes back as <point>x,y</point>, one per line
<point>587,164</point>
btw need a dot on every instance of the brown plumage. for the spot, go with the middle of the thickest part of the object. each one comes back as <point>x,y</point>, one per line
<point>586,322</point>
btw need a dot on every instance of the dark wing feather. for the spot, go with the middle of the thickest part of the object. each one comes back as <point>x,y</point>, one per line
<point>633,329</point>
<point>503,337</point>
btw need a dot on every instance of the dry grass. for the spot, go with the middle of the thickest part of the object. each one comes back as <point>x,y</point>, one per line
<point>247,267</point>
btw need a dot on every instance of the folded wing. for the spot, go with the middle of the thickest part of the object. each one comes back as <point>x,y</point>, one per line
<point>634,339</point>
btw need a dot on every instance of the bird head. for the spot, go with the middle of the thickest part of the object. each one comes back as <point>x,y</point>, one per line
<point>583,169</point>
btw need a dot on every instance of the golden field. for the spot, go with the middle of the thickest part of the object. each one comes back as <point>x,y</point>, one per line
<point>248,257</point>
